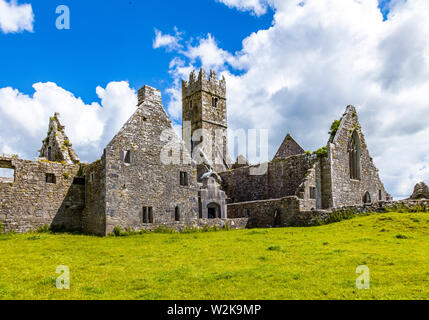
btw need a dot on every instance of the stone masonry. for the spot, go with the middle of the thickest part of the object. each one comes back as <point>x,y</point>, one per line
<point>147,177</point>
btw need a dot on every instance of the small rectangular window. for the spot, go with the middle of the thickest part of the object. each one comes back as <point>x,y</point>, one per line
<point>184,179</point>
<point>380,195</point>
<point>127,156</point>
<point>51,178</point>
<point>312,193</point>
<point>147,215</point>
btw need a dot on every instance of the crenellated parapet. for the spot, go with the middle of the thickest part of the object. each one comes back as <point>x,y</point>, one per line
<point>210,84</point>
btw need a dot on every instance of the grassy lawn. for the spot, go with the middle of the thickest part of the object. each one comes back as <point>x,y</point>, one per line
<point>287,263</point>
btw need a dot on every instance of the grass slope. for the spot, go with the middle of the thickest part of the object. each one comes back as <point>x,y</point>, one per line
<point>291,263</point>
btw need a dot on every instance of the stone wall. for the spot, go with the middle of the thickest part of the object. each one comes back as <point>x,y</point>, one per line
<point>234,224</point>
<point>316,217</point>
<point>283,178</point>
<point>346,191</point>
<point>33,200</point>
<point>148,180</point>
<point>94,214</point>
<point>266,213</point>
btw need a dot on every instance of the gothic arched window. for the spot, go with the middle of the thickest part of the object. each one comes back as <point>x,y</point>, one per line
<point>354,151</point>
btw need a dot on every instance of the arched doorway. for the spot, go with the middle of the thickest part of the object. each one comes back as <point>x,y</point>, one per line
<point>213,210</point>
<point>367,198</point>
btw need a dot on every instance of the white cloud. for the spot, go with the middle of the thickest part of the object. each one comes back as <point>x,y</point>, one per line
<point>208,52</point>
<point>15,17</point>
<point>257,7</point>
<point>318,57</point>
<point>166,40</point>
<point>24,119</point>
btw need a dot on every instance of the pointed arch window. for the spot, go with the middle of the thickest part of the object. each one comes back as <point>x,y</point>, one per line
<point>354,151</point>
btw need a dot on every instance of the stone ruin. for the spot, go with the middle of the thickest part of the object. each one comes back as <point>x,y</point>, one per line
<point>421,191</point>
<point>134,185</point>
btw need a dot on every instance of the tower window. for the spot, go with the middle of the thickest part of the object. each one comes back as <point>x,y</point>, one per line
<point>50,178</point>
<point>380,195</point>
<point>354,156</point>
<point>127,156</point>
<point>184,181</point>
<point>214,102</point>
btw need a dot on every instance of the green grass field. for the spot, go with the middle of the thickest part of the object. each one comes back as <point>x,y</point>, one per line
<point>287,263</point>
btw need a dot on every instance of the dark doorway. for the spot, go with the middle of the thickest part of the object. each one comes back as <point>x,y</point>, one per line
<point>367,198</point>
<point>213,211</point>
<point>277,218</point>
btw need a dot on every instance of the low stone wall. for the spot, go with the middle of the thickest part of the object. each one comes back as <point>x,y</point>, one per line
<point>311,218</point>
<point>266,213</point>
<point>383,206</point>
<point>287,212</point>
<point>235,224</point>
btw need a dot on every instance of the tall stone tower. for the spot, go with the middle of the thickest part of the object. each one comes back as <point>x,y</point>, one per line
<point>204,121</point>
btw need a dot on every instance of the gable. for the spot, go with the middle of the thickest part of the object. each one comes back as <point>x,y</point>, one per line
<point>149,131</point>
<point>288,148</point>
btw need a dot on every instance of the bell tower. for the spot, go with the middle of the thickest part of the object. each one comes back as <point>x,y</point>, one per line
<point>204,120</point>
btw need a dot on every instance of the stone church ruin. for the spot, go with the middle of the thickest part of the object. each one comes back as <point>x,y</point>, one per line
<point>132,187</point>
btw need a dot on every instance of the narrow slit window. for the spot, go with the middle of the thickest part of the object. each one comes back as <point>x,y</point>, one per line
<point>184,179</point>
<point>127,156</point>
<point>312,193</point>
<point>177,214</point>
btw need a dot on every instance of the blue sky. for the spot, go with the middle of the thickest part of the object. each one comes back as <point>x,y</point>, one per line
<point>292,66</point>
<point>111,41</point>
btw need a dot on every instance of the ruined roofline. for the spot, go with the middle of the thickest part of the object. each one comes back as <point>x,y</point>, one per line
<point>57,146</point>
<point>148,93</point>
<point>208,84</point>
<point>302,155</point>
<point>350,110</point>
